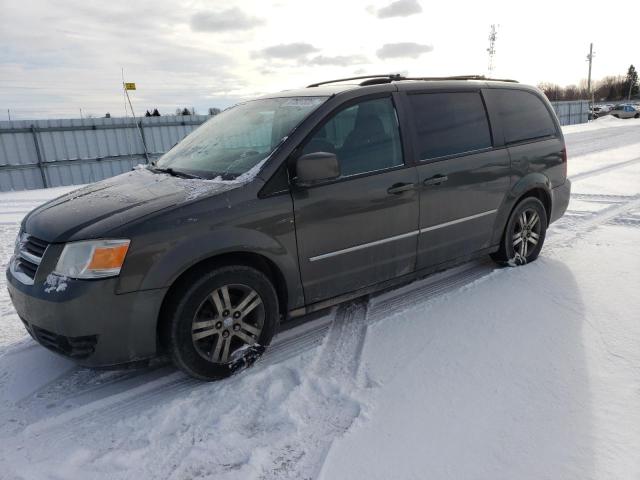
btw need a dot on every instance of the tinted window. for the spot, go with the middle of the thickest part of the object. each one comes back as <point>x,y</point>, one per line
<point>449,123</point>
<point>365,137</point>
<point>524,116</point>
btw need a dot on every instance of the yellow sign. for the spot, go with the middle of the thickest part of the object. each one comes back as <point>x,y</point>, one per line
<point>130,86</point>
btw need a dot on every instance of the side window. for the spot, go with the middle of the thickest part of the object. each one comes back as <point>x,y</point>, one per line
<point>449,123</point>
<point>524,116</point>
<point>365,137</point>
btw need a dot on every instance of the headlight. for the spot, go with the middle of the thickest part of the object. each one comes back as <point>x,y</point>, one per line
<point>20,239</point>
<point>92,258</point>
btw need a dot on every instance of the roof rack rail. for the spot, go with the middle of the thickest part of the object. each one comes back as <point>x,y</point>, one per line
<point>393,77</point>
<point>390,76</point>
<point>462,77</point>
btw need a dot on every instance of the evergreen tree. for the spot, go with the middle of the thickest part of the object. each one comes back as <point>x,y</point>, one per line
<point>148,114</point>
<point>155,113</point>
<point>186,111</point>
<point>632,81</point>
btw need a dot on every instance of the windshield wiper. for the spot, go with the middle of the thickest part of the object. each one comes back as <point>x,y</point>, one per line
<point>172,172</point>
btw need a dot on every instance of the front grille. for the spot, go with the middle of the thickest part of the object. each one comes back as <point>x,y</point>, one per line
<point>74,347</point>
<point>26,267</point>
<point>35,246</point>
<point>28,257</point>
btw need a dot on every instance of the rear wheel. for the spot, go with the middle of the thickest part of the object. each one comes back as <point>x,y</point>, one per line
<point>524,234</point>
<point>221,322</point>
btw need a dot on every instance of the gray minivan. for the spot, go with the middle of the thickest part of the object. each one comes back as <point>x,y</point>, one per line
<point>285,205</point>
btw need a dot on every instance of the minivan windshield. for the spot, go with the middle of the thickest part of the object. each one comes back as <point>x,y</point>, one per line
<point>234,141</point>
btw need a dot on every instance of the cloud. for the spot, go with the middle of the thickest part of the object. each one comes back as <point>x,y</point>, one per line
<point>51,68</point>
<point>338,60</point>
<point>400,8</point>
<point>403,50</point>
<point>223,21</point>
<point>286,51</point>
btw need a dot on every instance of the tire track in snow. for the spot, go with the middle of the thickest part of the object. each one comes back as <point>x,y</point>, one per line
<point>325,404</point>
<point>584,143</point>
<point>604,169</point>
<point>134,392</point>
<point>601,198</point>
<point>576,227</point>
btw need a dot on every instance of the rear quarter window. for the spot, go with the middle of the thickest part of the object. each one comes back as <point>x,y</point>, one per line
<point>449,123</point>
<point>524,115</point>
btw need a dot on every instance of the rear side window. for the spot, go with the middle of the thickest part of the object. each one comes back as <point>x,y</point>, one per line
<point>524,115</point>
<point>449,123</point>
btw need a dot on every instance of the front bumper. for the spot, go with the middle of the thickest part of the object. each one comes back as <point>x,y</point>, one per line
<point>560,200</point>
<point>87,321</point>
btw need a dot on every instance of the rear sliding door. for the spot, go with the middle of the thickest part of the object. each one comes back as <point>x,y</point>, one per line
<point>463,177</point>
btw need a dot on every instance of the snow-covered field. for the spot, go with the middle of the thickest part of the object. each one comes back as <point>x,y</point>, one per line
<point>478,372</point>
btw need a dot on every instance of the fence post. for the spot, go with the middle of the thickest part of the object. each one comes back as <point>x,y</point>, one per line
<point>39,155</point>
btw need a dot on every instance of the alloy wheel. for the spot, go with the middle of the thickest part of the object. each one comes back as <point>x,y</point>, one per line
<point>526,234</point>
<point>229,320</point>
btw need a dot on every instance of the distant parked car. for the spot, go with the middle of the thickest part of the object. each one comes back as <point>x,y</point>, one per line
<point>625,111</point>
<point>599,111</point>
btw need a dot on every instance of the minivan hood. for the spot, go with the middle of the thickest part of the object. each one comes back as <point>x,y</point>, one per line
<point>98,208</point>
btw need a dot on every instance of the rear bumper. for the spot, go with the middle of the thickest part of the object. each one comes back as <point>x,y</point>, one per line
<point>560,200</point>
<point>87,321</point>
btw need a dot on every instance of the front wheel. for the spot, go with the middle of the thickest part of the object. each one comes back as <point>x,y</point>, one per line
<point>221,321</point>
<point>524,234</point>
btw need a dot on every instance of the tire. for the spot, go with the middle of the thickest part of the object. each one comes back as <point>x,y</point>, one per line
<point>514,250</point>
<point>637,115</point>
<point>616,115</point>
<point>220,322</point>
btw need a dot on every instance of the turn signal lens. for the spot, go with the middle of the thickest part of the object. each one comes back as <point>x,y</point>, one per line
<point>108,257</point>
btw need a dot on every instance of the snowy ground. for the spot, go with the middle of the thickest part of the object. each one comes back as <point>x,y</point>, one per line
<point>478,372</point>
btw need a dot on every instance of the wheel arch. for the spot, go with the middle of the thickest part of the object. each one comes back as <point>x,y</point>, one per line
<point>534,185</point>
<point>245,258</point>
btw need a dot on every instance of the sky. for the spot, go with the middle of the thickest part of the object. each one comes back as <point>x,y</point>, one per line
<point>57,57</point>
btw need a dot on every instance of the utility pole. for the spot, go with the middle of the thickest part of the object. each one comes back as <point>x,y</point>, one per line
<point>492,47</point>
<point>590,60</point>
<point>9,114</point>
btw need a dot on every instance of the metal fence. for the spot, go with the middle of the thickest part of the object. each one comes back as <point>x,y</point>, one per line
<point>52,153</point>
<point>572,112</point>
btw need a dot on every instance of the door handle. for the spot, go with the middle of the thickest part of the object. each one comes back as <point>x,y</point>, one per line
<point>437,180</point>
<point>398,188</point>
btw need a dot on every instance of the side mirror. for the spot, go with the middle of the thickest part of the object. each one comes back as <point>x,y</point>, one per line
<point>316,167</point>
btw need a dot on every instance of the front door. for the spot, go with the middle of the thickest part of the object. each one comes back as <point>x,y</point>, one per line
<point>361,228</point>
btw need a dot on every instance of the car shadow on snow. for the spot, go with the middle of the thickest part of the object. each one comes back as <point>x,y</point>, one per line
<point>491,381</point>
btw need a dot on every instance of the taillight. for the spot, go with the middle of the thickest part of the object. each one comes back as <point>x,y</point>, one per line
<point>564,160</point>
